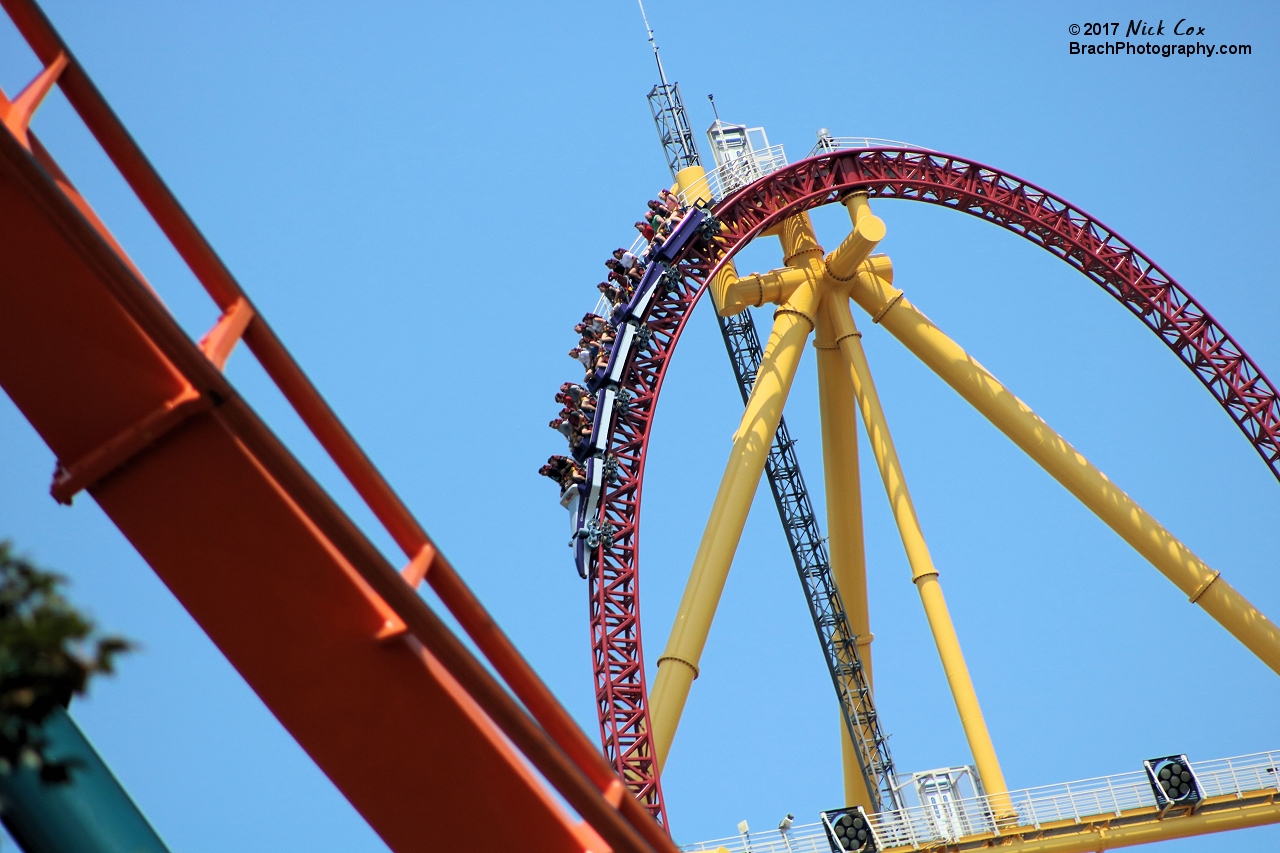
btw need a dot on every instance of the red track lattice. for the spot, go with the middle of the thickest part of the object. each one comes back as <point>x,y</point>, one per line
<point>1050,222</point>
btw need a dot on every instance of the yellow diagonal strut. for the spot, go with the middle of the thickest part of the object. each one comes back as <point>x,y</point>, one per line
<point>793,322</point>
<point>1202,585</point>
<point>678,665</point>
<point>923,573</point>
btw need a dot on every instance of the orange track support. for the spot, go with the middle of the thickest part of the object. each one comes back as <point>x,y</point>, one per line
<point>393,730</point>
<point>415,731</point>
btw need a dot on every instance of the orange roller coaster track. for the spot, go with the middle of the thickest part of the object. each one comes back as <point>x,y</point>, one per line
<point>410,726</point>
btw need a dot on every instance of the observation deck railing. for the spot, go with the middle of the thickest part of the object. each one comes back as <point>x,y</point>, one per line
<point>827,144</point>
<point>927,825</point>
<point>740,171</point>
<point>737,173</point>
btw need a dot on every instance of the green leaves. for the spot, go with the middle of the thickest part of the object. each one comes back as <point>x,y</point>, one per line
<point>48,652</point>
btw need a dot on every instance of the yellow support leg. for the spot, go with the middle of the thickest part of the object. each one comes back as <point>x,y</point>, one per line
<point>973,382</point>
<point>691,182</point>
<point>678,666</point>
<point>726,293</point>
<point>800,289</point>
<point>923,573</point>
<point>844,521</point>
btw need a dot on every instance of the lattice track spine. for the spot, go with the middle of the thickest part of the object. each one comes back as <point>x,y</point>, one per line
<point>809,551</point>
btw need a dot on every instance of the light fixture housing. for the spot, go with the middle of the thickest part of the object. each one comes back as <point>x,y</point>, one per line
<point>1173,782</point>
<point>849,830</point>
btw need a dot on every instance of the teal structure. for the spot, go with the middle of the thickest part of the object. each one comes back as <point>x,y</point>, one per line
<point>91,813</point>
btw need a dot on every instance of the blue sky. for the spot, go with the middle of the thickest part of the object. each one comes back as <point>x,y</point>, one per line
<point>419,198</point>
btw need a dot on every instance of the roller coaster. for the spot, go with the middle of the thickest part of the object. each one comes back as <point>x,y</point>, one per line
<point>751,193</point>
<point>425,737</point>
<point>813,291</point>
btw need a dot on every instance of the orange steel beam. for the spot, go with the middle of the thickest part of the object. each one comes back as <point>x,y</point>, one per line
<point>567,757</point>
<point>280,579</point>
<point>373,488</point>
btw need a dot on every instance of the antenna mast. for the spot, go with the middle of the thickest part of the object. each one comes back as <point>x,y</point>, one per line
<point>669,116</point>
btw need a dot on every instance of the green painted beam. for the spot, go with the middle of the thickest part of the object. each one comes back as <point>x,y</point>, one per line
<point>91,813</point>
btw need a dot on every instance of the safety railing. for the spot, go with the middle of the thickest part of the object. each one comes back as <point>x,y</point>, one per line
<point>800,838</point>
<point>827,144</point>
<point>537,723</point>
<point>1235,775</point>
<point>735,174</point>
<point>949,821</point>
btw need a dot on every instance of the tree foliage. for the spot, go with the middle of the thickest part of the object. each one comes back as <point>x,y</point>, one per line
<point>48,653</point>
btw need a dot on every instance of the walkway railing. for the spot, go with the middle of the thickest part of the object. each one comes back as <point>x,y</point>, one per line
<point>737,173</point>
<point>806,838</point>
<point>922,825</point>
<point>827,144</point>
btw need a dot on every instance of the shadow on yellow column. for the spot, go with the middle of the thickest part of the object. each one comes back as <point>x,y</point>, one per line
<point>923,573</point>
<point>678,666</point>
<point>875,293</point>
<point>844,523</point>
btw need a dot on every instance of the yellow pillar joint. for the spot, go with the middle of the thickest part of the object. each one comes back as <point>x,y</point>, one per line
<point>799,242</point>
<point>678,659</point>
<point>732,296</point>
<point>797,312</point>
<point>843,263</point>
<point>1204,586</point>
<point>857,205</point>
<point>873,292</point>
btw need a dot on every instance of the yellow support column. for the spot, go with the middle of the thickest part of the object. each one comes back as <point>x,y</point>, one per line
<point>678,666</point>
<point>1201,584</point>
<point>923,573</point>
<point>801,293</point>
<point>691,183</point>
<point>844,521</point>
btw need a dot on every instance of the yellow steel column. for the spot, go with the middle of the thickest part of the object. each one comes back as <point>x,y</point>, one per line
<point>802,292</point>
<point>923,573</point>
<point>1201,584</point>
<point>678,665</point>
<point>691,182</point>
<point>844,519</point>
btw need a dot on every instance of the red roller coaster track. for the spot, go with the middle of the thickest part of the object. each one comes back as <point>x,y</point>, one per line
<point>1050,222</point>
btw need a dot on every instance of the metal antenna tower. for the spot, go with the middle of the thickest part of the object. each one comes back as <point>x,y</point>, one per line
<point>669,115</point>
<point>795,510</point>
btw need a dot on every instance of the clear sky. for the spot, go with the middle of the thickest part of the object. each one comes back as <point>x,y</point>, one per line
<point>419,198</point>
